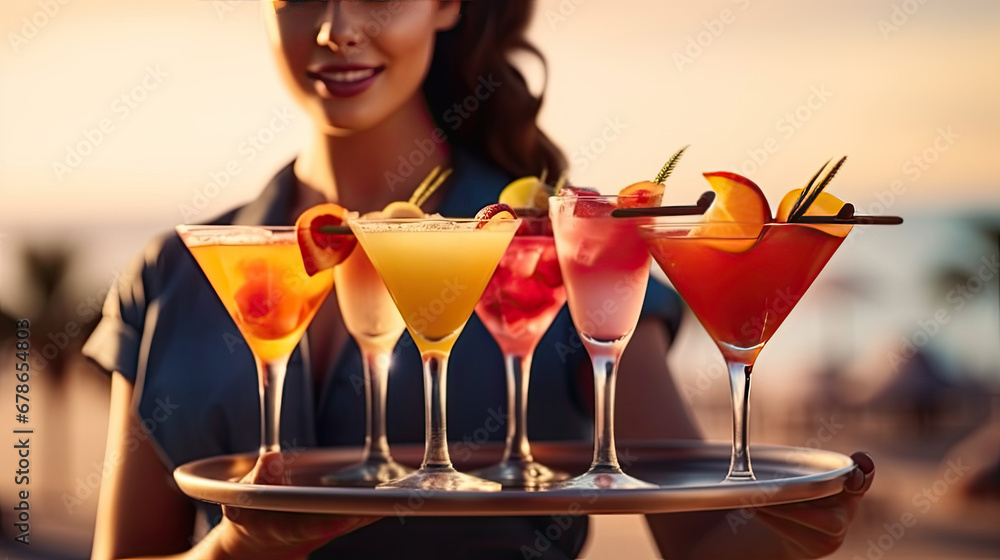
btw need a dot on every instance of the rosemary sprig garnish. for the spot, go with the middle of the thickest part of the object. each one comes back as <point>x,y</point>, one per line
<point>668,167</point>
<point>813,189</point>
<point>805,190</point>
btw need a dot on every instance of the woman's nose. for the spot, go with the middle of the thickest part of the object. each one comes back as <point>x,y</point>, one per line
<point>338,31</point>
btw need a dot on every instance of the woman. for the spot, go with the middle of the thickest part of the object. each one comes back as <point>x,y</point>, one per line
<point>393,89</point>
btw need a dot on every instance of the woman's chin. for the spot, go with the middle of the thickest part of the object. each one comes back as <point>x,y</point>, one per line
<point>346,124</point>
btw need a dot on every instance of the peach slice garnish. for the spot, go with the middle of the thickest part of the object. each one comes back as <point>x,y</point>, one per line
<point>644,194</point>
<point>320,250</point>
<point>824,205</point>
<point>740,201</point>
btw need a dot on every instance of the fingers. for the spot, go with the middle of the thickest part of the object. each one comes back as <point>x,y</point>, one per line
<point>269,469</point>
<point>860,479</point>
<point>831,519</point>
<point>807,543</point>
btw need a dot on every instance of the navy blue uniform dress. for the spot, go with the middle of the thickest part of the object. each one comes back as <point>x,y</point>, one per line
<point>165,330</point>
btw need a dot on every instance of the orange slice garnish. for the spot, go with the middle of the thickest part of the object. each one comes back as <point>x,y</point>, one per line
<point>321,251</point>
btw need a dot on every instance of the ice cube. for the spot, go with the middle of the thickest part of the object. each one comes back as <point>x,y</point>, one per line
<point>587,252</point>
<point>526,261</point>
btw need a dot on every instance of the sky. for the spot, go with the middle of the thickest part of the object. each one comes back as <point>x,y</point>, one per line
<point>907,89</point>
<point>119,118</point>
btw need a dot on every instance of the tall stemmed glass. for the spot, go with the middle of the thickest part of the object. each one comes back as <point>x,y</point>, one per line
<point>373,320</point>
<point>606,268</point>
<point>517,307</point>
<point>742,281</point>
<point>435,271</point>
<point>259,275</point>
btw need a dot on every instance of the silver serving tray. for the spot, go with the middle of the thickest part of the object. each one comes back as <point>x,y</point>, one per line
<point>689,474</point>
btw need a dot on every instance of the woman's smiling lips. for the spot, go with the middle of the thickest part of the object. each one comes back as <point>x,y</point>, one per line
<point>343,80</point>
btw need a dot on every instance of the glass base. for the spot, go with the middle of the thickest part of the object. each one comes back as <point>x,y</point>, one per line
<point>740,477</point>
<point>442,478</point>
<point>521,474</point>
<point>602,478</point>
<point>367,474</point>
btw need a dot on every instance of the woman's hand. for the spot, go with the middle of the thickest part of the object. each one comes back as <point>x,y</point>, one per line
<point>787,532</point>
<point>249,533</point>
<point>817,528</point>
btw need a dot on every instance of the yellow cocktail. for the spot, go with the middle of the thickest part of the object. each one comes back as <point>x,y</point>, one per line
<point>435,271</point>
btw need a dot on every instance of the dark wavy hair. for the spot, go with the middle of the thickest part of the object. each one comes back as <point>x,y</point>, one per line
<point>503,127</point>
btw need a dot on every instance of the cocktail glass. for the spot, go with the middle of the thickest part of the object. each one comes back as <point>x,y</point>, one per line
<point>258,274</point>
<point>517,307</point>
<point>742,281</point>
<point>606,268</point>
<point>373,320</point>
<point>435,271</point>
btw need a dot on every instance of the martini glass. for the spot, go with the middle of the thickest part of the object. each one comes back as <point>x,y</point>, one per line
<point>517,307</point>
<point>606,268</point>
<point>742,281</point>
<point>435,270</point>
<point>373,320</point>
<point>258,274</point>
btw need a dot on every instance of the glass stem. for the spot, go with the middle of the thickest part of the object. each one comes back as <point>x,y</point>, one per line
<point>376,366</point>
<point>605,375</point>
<point>271,383</point>
<point>435,418</point>
<point>739,384</point>
<point>518,371</point>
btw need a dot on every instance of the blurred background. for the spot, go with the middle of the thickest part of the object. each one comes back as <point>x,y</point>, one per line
<point>119,118</point>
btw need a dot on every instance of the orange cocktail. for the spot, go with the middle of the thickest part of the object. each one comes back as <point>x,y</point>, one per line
<point>259,275</point>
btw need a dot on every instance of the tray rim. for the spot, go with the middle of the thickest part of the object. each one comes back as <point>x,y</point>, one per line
<point>665,499</point>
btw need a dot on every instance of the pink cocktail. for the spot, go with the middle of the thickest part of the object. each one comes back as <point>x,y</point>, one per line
<point>606,268</point>
<point>517,307</point>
